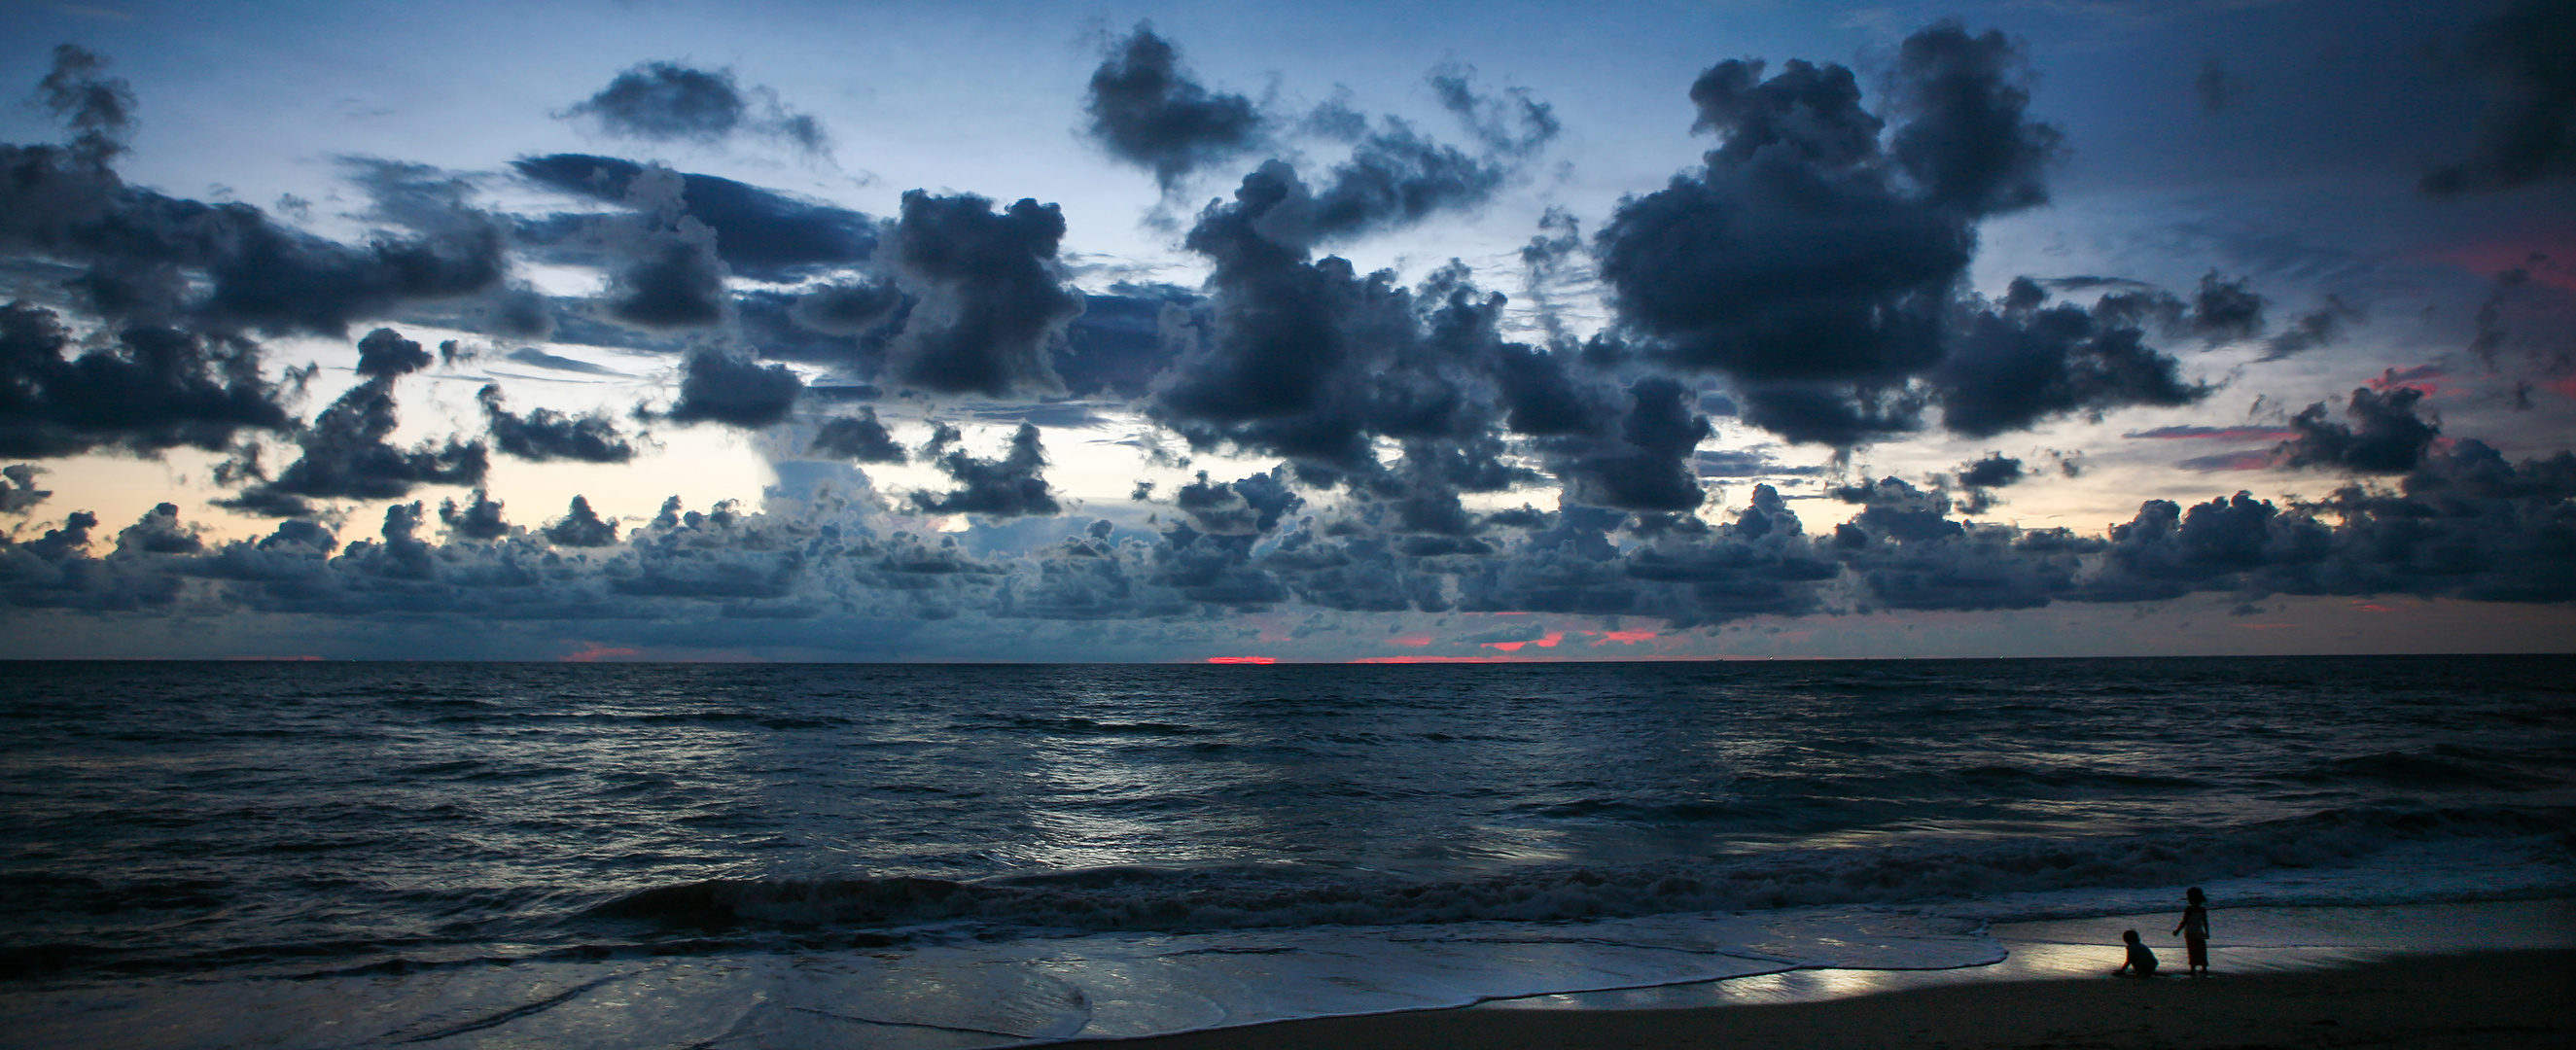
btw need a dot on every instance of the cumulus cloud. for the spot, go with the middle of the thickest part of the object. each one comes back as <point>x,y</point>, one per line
<point>1147,110</point>
<point>671,102</point>
<point>344,451</point>
<point>992,295</point>
<point>717,387</point>
<point>1815,258</point>
<point>2386,435</point>
<point>1995,471</point>
<point>544,434</point>
<point>580,527</point>
<point>98,108</point>
<point>2464,523</point>
<point>1002,488</point>
<point>860,437</point>
<point>157,388</point>
<point>477,520</point>
<point>2009,369</point>
<point>18,491</point>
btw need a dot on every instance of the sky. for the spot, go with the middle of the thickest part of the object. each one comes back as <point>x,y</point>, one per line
<point>1315,332</point>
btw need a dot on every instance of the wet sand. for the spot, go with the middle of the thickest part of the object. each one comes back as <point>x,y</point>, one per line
<point>2510,998</point>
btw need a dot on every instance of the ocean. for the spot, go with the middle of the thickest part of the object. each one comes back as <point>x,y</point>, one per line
<point>219,854</point>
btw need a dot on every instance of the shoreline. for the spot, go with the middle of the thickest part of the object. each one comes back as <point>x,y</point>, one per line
<point>2513,997</point>
<point>2476,974</point>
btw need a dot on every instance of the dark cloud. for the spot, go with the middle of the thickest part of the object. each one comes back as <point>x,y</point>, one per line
<point>223,268</point>
<point>1894,510</point>
<point>1815,259</point>
<point>2528,132</point>
<point>992,295</point>
<point>580,527</point>
<point>1816,113</point>
<point>2465,523</point>
<point>1796,259</point>
<point>478,520</point>
<point>2224,310</point>
<point>1984,476</point>
<point>721,388</point>
<point>1648,467</point>
<point>2011,369</point>
<point>544,434</point>
<point>1995,471</point>
<point>2311,330</point>
<point>1121,342</point>
<point>1965,140</point>
<point>345,454</point>
<point>2385,435</point>
<point>1003,488</point>
<point>860,437</point>
<point>1309,360</point>
<point>158,388</point>
<point>667,101</point>
<point>670,102</point>
<point>99,109</point>
<point>846,309</point>
<point>516,312</point>
<point>667,274</point>
<point>18,491</point>
<point>1146,110</point>
<point>760,233</point>
<point>385,354</point>
<point>1508,124</point>
<point>1394,177</point>
<point>1246,506</point>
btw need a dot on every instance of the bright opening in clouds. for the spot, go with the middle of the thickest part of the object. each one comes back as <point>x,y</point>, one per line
<point>1329,332</point>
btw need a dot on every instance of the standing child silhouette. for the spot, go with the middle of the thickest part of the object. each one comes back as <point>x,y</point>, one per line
<point>2194,929</point>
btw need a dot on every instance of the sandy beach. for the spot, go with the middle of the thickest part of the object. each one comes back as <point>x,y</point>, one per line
<point>2518,998</point>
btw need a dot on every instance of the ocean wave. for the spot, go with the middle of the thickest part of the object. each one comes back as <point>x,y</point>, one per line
<point>1140,898</point>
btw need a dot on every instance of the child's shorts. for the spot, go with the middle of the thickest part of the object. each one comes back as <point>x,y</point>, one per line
<point>2199,948</point>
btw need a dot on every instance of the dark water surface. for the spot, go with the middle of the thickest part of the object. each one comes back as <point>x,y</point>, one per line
<point>301,818</point>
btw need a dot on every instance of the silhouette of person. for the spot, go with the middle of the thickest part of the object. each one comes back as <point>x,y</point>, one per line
<point>2141,963</point>
<point>2194,929</point>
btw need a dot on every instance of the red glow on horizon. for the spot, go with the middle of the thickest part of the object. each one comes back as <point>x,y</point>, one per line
<point>1441,659</point>
<point>597,653</point>
<point>2368,607</point>
<point>1621,637</point>
<point>1548,642</point>
<point>1243,659</point>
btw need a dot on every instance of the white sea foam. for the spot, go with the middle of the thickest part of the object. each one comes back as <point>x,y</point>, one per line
<point>961,995</point>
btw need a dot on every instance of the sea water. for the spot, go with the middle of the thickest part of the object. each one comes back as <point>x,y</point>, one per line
<point>946,856</point>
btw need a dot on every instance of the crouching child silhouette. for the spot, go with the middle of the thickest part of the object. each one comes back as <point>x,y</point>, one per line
<point>2141,963</point>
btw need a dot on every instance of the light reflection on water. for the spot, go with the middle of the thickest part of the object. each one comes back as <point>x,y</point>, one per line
<point>266,805</point>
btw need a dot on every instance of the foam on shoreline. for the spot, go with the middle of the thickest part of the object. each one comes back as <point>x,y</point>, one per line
<point>2246,941</point>
<point>1133,986</point>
